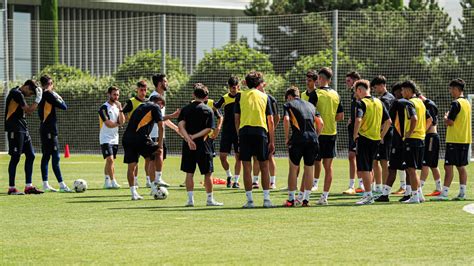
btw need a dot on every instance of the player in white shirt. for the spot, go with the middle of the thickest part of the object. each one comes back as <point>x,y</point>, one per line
<point>111,117</point>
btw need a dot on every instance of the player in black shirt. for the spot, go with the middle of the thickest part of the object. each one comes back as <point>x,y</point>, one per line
<point>195,122</point>
<point>137,141</point>
<point>49,133</point>
<point>19,140</point>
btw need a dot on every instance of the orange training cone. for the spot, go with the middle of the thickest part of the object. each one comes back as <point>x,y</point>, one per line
<point>66,151</point>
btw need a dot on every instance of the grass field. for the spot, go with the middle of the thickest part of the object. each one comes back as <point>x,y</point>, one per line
<point>106,227</point>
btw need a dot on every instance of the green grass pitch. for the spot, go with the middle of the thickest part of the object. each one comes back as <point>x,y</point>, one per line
<point>106,227</point>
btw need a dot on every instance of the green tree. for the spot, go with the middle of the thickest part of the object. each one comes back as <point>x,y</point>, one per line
<point>49,32</point>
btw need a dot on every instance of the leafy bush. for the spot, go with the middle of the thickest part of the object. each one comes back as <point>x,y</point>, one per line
<point>61,72</point>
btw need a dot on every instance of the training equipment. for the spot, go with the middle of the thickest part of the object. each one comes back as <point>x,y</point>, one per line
<point>80,185</point>
<point>66,151</point>
<point>160,193</point>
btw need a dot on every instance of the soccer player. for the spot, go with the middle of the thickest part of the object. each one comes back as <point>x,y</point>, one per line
<point>137,142</point>
<point>351,78</point>
<point>111,118</point>
<point>458,139</point>
<point>371,124</point>
<point>254,121</point>
<point>229,136</point>
<point>300,115</point>
<point>329,105</point>
<point>19,140</point>
<point>49,133</point>
<point>417,120</point>
<point>431,153</point>
<point>380,164</point>
<point>214,132</point>
<point>160,82</point>
<point>195,122</point>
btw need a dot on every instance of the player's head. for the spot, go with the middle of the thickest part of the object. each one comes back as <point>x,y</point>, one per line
<point>200,91</point>
<point>159,100</point>
<point>311,79</point>
<point>397,90</point>
<point>46,81</point>
<point>254,79</point>
<point>408,89</point>
<point>291,93</point>
<point>141,89</point>
<point>379,83</point>
<point>160,82</point>
<point>324,76</point>
<point>233,84</point>
<point>113,93</point>
<point>456,87</point>
<point>29,88</point>
<point>352,77</point>
<point>361,88</point>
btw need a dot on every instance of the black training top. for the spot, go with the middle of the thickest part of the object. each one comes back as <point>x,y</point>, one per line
<point>47,111</point>
<point>301,114</point>
<point>228,125</point>
<point>198,116</point>
<point>141,122</point>
<point>432,110</point>
<point>14,114</point>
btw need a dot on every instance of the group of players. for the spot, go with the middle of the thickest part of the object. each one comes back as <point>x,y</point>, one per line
<point>395,131</point>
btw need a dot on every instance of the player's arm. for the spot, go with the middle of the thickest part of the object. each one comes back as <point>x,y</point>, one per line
<point>319,123</point>
<point>173,115</point>
<point>184,133</point>
<point>127,108</point>
<point>360,111</point>
<point>220,119</point>
<point>276,115</point>
<point>57,101</point>
<point>237,113</point>
<point>104,115</point>
<point>161,129</point>
<point>271,128</point>
<point>413,122</point>
<point>209,126</point>
<point>286,124</point>
<point>450,116</point>
<point>339,112</point>
<point>429,120</point>
<point>121,116</point>
<point>386,123</point>
<point>20,99</point>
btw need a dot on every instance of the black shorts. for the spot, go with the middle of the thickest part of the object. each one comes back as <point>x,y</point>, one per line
<point>19,143</point>
<point>383,151</point>
<point>327,147</point>
<point>396,161</point>
<point>109,150</point>
<point>305,150</point>
<point>133,150</point>
<point>210,142</point>
<point>413,155</point>
<point>49,143</point>
<point>202,156</point>
<point>366,152</point>
<point>253,145</point>
<point>456,154</point>
<point>227,142</point>
<point>431,154</point>
<point>352,144</point>
<point>165,149</point>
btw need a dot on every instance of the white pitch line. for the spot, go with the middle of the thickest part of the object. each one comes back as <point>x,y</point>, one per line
<point>469,208</point>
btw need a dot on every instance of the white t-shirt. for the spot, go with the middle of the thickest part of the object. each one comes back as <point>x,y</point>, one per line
<point>108,135</point>
<point>154,131</point>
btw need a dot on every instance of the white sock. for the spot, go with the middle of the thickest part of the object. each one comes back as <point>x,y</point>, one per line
<point>190,196</point>
<point>414,194</point>
<point>325,194</point>
<point>148,179</point>
<point>462,190</point>
<point>422,183</point>
<point>378,187</point>
<point>249,196</point>
<point>438,184</point>
<point>315,182</point>
<point>369,194</point>
<point>133,189</point>
<point>386,190</point>
<point>272,179</point>
<point>306,195</point>
<point>445,191</point>
<point>209,197</point>
<point>361,183</point>
<point>236,178</point>
<point>28,185</point>
<point>135,179</point>
<point>62,184</point>
<point>372,187</point>
<point>420,191</point>
<point>291,195</point>
<point>266,194</point>
<point>12,187</point>
<point>403,179</point>
<point>351,183</point>
<point>158,175</point>
<point>300,195</point>
<point>255,179</point>
<point>107,178</point>
<point>408,190</point>
<point>45,184</point>
<point>228,173</point>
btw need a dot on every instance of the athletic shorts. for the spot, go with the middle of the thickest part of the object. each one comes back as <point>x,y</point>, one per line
<point>396,161</point>
<point>202,157</point>
<point>253,145</point>
<point>227,142</point>
<point>352,144</point>
<point>456,154</point>
<point>19,143</point>
<point>109,150</point>
<point>383,151</point>
<point>305,150</point>
<point>210,142</point>
<point>49,143</point>
<point>366,152</point>
<point>431,153</point>
<point>413,155</point>
<point>165,149</point>
<point>327,147</point>
<point>133,150</point>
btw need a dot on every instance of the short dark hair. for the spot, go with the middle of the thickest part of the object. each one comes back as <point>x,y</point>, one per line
<point>362,83</point>
<point>32,85</point>
<point>44,80</point>
<point>312,74</point>
<point>409,84</point>
<point>200,90</point>
<point>157,98</point>
<point>353,75</point>
<point>157,78</point>
<point>326,72</point>
<point>378,80</point>
<point>458,83</point>
<point>112,89</point>
<point>292,91</point>
<point>233,81</point>
<point>253,79</point>
<point>141,84</point>
<point>396,86</point>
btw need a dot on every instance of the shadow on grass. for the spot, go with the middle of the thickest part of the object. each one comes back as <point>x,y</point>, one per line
<point>101,196</point>
<point>95,201</point>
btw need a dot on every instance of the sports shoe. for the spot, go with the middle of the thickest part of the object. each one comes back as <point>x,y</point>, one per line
<point>322,201</point>
<point>33,190</point>
<point>49,189</point>
<point>65,189</point>
<point>273,186</point>
<point>182,184</point>
<point>249,205</point>
<point>404,198</point>
<point>422,198</point>
<point>135,182</point>
<point>14,191</point>
<point>400,191</point>
<point>136,196</point>
<point>189,204</point>
<point>382,198</point>
<point>460,197</point>
<point>161,183</point>
<point>434,193</point>
<point>107,184</point>
<point>349,191</point>
<point>412,200</point>
<point>115,185</point>
<point>440,198</point>
<point>377,192</point>
<point>314,188</point>
<point>359,190</point>
<point>214,203</point>
<point>229,182</point>
<point>365,201</point>
<point>298,202</point>
<point>255,185</point>
<point>268,204</point>
<point>236,185</point>
<point>305,203</point>
<point>289,203</point>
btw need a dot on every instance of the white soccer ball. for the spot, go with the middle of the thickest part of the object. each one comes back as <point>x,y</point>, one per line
<point>160,193</point>
<point>80,185</point>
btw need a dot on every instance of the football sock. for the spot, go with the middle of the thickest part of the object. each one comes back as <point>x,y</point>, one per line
<point>266,194</point>
<point>158,175</point>
<point>326,194</point>
<point>272,179</point>
<point>249,195</point>
<point>351,183</point>
<point>422,183</point>
<point>462,190</point>
<point>255,179</point>
<point>209,196</point>
<point>228,173</point>
<point>445,191</point>
<point>438,184</point>
<point>291,195</point>
<point>315,182</point>
<point>403,179</point>
<point>236,178</point>
<point>386,190</point>
<point>307,194</point>
<point>191,196</point>
<point>361,183</point>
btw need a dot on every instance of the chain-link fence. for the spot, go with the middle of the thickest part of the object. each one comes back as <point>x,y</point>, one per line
<point>120,50</point>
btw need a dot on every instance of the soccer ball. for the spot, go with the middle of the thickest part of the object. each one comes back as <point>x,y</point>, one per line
<point>80,185</point>
<point>160,193</point>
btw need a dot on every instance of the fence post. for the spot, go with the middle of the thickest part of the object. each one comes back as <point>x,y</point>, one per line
<point>470,98</point>
<point>6,56</point>
<point>163,42</point>
<point>335,26</point>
